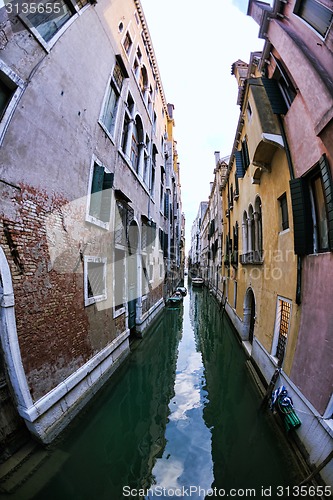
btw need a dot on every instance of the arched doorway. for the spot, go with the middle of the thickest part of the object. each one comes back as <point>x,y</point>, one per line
<point>249,315</point>
<point>13,431</point>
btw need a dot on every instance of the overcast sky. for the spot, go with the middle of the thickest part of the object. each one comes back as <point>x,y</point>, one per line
<point>195,44</point>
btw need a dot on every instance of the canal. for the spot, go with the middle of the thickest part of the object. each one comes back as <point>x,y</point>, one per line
<point>180,418</point>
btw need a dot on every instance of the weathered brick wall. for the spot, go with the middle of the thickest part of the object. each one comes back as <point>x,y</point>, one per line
<point>57,334</point>
<point>153,296</point>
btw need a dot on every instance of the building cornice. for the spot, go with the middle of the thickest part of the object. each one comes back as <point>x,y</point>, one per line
<point>151,53</point>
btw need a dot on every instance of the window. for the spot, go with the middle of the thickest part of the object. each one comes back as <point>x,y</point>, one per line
<point>252,244</point>
<point>46,21</point>
<point>162,189</point>
<point>127,43</point>
<point>282,326</point>
<point>127,125</point>
<point>284,211</point>
<point>245,154</point>
<point>242,159</point>
<point>249,111</point>
<point>287,88</point>
<point>11,88</point>
<point>101,182</point>
<point>112,100</point>
<point>6,93</point>
<point>315,14</point>
<point>312,203</point>
<point>119,279</point>
<point>94,279</point>
<point>120,227</point>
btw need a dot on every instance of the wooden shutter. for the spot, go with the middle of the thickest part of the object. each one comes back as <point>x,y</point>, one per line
<point>96,191</point>
<point>303,225</point>
<point>328,194</point>
<point>275,96</point>
<point>240,170</point>
<point>106,197</point>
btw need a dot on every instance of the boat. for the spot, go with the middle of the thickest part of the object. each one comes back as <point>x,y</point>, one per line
<point>175,299</point>
<point>197,281</point>
<point>182,290</point>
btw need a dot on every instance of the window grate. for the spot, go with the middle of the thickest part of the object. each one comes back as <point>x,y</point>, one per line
<point>284,329</point>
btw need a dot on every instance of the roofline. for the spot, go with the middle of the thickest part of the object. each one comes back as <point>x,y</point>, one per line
<point>152,53</point>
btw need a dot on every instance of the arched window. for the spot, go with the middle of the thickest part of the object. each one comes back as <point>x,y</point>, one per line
<point>143,81</point>
<point>136,143</point>
<point>244,233</point>
<point>250,229</point>
<point>258,228</point>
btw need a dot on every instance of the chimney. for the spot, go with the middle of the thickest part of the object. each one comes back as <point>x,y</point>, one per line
<point>217,157</point>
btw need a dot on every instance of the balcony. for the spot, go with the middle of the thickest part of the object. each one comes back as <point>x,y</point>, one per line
<point>251,258</point>
<point>264,136</point>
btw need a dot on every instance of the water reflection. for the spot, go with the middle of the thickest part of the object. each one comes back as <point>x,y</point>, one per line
<point>246,450</point>
<point>181,412</point>
<point>116,442</point>
<point>187,458</point>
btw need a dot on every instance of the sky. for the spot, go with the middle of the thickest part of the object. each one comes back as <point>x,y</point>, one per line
<point>195,44</point>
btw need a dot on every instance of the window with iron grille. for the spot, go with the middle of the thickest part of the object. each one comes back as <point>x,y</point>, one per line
<point>120,224</point>
<point>282,326</point>
<point>94,279</point>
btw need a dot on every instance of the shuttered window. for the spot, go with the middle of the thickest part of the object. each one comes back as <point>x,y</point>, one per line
<point>240,170</point>
<point>315,14</point>
<point>100,196</point>
<point>312,206</point>
<point>275,96</point>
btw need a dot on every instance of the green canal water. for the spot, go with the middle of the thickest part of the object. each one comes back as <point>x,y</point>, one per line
<point>179,419</point>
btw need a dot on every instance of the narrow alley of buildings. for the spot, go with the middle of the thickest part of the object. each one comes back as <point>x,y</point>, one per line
<point>92,245</point>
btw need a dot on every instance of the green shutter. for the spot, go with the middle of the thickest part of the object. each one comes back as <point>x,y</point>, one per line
<point>328,194</point>
<point>96,191</point>
<point>106,197</point>
<point>245,153</point>
<point>240,170</point>
<point>275,96</point>
<point>303,225</point>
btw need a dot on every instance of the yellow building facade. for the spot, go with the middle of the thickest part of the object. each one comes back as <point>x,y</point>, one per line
<point>259,267</point>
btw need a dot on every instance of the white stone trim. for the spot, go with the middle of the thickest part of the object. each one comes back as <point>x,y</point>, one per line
<point>9,339</point>
<point>61,390</point>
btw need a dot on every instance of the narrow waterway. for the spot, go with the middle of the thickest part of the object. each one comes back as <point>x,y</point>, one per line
<point>179,418</point>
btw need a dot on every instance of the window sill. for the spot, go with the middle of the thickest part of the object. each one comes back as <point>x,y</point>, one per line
<point>97,222</point>
<point>284,231</point>
<point>106,131</point>
<point>93,300</point>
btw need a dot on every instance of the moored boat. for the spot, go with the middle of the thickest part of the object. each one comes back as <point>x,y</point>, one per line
<point>197,281</point>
